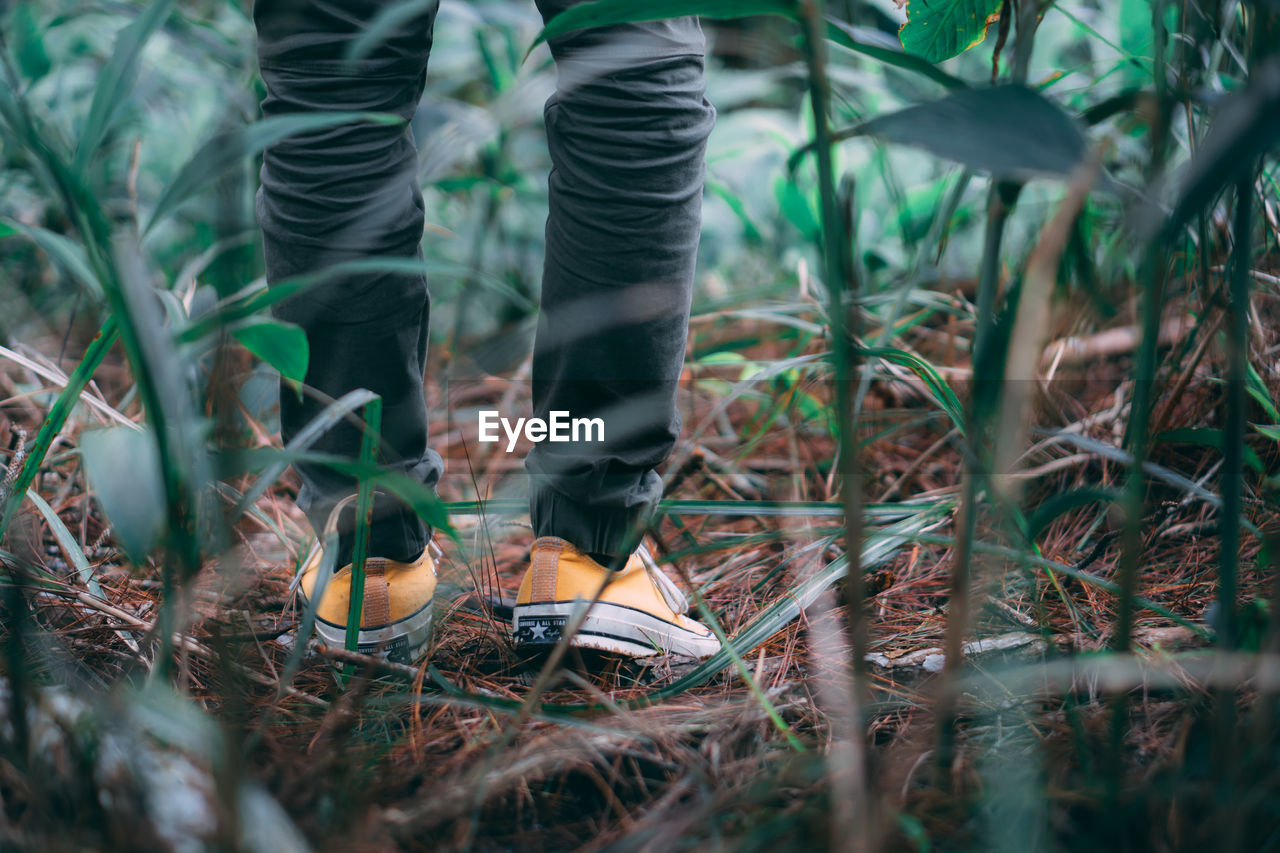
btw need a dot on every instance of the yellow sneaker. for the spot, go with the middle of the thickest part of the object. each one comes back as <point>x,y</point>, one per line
<point>396,620</point>
<point>640,613</point>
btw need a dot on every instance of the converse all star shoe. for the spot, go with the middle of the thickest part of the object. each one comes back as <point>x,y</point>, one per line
<point>641,611</point>
<point>396,620</point>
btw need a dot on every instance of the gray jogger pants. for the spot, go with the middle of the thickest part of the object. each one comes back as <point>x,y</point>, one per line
<point>627,131</point>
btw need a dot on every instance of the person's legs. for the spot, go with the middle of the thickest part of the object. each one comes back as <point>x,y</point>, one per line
<point>627,130</point>
<point>342,194</point>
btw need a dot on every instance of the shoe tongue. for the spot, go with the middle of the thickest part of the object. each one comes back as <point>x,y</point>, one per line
<point>671,593</point>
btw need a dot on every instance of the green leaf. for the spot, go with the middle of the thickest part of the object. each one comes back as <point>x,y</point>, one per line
<point>1006,131</point>
<point>1258,391</point>
<point>797,208</point>
<point>868,43</point>
<point>116,79</point>
<point>227,149</point>
<point>1134,18</point>
<point>605,12</point>
<point>1271,431</point>
<point>933,381</point>
<point>28,42</point>
<point>940,29</point>
<point>281,345</point>
<point>66,254</point>
<point>68,543</point>
<point>1059,504</point>
<point>123,467</point>
<point>750,233</point>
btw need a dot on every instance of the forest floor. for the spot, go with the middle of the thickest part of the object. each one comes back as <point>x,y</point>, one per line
<point>444,755</point>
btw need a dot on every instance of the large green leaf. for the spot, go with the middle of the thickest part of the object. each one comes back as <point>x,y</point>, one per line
<point>281,345</point>
<point>123,467</point>
<point>116,80</point>
<point>605,12</point>
<point>226,149</point>
<point>868,42</point>
<point>940,29</point>
<point>797,208</point>
<point>1006,131</point>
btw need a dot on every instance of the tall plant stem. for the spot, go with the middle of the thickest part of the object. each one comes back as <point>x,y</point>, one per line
<point>1228,761</point>
<point>1237,328</point>
<point>1153,272</point>
<point>364,518</point>
<point>842,288</point>
<point>1000,202</point>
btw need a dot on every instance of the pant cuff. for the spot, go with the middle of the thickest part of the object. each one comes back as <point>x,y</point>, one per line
<point>591,528</point>
<point>395,532</point>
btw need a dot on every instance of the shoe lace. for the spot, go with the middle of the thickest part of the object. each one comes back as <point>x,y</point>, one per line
<point>671,594</point>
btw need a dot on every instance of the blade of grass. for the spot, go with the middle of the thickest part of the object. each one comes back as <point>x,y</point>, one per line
<point>938,388</point>
<point>117,78</point>
<point>719,509</point>
<point>1031,331</point>
<point>854,822</point>
<point>418,497</point>
<point>249,302</point>
<point>364,516</point>
<point>1000,201</point>
<point>60,379</point>
<point>392,18</point>
<point>605,12</point>
<point>707,616</point>
<point>1153,272</point>
<point>225,150</point>
<point>57,418</point>
<point>307,436</point>
<point>1236,396</point>
<point>63,252</point>
<point>68,544</point>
